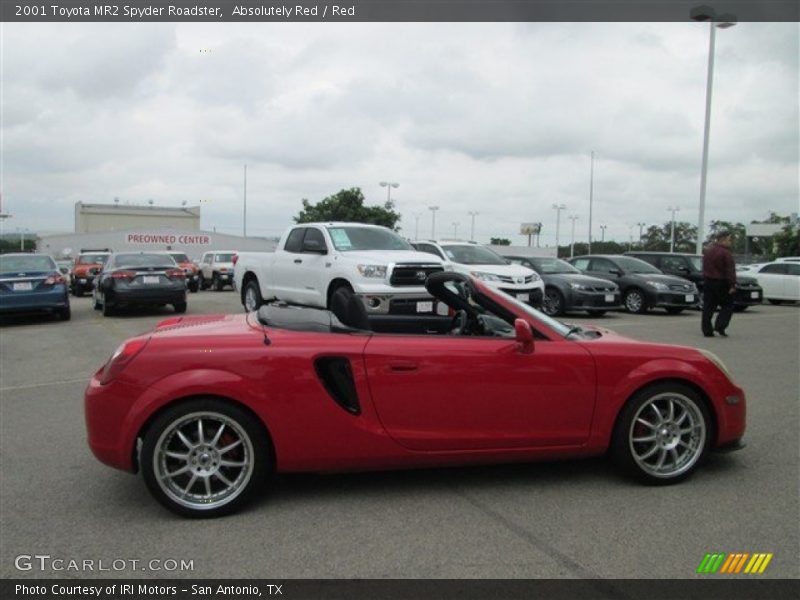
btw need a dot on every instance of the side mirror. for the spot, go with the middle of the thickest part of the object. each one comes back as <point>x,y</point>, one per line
<point>314,247</point>
<point>684,269</point>
<point>616,272</point>
<point>524,335</point>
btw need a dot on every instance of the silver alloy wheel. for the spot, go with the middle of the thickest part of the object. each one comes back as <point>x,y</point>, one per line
<point>551,305</point>
<point>667,435</point>
<point>633,301</point>
<point>250,299</point>
<point>203,460</point>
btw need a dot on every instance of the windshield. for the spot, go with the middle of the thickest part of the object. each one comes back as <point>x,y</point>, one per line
<point>92,259</point>
<point>20,264</point>
<point>179,257</point>
<point>552,266</point>
<point>697,262</point>
<point>143,260</point>
<point>224,257</point>
<point>556,326</point>
<point>469,254</point>
<point>346,239</point>
<point>634,265</point>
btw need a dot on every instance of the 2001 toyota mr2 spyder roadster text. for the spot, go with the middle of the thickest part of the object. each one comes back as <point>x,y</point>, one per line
<point>206,407</point>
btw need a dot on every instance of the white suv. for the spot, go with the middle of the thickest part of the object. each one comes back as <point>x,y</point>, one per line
<point>483,263</point>
<point>216,269</point>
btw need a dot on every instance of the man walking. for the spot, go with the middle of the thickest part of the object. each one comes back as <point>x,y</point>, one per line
<point>719,285</point>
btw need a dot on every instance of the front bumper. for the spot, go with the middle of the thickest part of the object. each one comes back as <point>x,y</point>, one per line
<point>748,296</point>
<point>529,295</point>
<point>50,300</point>
<point>674,299</point>
<point>84,281</point>
<point>599,300</point>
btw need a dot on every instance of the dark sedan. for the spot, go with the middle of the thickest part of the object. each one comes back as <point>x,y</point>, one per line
<point>643,286</point>
<point>690,266</point>
<point>567,289</point>
<point>32,283</point>
<point>140,279</point>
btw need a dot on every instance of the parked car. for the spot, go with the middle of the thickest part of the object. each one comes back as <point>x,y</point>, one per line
<point>479,261</point>
<point>32,283</point>
<point>190,268</point>
<point>140,279</point>
<point>780,280</point>
<point>567,289</point>
<point>216,269</point>
<point>690,266</point>
<point>642,285</point>
<point>314,261</point>
<point>87,264</point>
<point>792,259</point>
<point>206,407</point>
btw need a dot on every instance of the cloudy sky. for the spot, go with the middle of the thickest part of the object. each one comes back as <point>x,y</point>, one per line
<point>494,118</point>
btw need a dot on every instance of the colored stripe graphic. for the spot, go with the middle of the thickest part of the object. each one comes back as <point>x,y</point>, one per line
<point>723,563</point>
<point>741,562</point>
<point>764,564</point>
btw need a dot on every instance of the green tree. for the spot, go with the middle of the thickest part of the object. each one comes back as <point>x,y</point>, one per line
<point>348,205</point>
<point>737,229</point>
<point>658,238</point>
<point>500,242</point>
<point>787,241</point>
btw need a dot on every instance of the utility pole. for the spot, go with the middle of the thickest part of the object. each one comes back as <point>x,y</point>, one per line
<point>602,234</point>
<point>244,213</point>
<point>673,209</point>
<point>416,225</point>
<point>572,218</point>
<point>473,214</point>
<point>455,229</point>
<point>591,197</point>
<point>559,208</point>
<point>433,210</point>
<point>641,225</point>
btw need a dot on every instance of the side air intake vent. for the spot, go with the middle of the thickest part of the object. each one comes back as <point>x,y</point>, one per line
<point>337,377</point>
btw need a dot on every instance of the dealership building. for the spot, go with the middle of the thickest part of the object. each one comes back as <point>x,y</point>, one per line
<point>124,227</point>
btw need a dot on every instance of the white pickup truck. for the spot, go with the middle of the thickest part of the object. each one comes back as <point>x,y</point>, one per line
<point>314,260</point>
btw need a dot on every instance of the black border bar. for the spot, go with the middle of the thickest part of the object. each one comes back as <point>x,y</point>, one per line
<point>132,11</point>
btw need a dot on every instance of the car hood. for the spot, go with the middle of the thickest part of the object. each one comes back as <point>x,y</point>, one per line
<point>201,325</point>
<point>746,279</point>
<point>384,257</point>
<point>506,270</point>
<point>579,278</point>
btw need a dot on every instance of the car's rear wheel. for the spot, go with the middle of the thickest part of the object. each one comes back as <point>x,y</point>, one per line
<point>662,434</point>
<point>65,314</point>
<point>193,287</point>
<point>252,296</point>
<point>180,307</point>
<point>108,308</point>
<point>217,282</point>
<point>635,302</point>
<point>553,304</point>
<point>204,458</point>
<point>78,291</point>
<point>201,282</point>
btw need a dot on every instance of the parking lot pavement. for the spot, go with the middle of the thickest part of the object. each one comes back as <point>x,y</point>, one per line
<point>565,519</point>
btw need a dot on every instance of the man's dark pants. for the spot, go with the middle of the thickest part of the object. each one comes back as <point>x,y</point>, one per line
<point>716,292</point>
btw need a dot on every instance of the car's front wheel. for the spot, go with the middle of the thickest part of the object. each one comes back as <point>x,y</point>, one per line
<point>662,434</point>
<point>252,296</point>
<point>553,302</point>
<point>180,307</point>
<point>635,302</point>
<point>204,458</point>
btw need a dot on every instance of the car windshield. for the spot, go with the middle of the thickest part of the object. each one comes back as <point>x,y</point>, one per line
<point>697,262</point>
<point>26,263</point>
<point>556,326</point>
<point>92,259</point>
<point>470,254</point>
<point>143,260</point>
<point>634,265</point>
<point>346,239</point>
<point>552,266</point>
<point>223,258</point>
<point>179,257</point>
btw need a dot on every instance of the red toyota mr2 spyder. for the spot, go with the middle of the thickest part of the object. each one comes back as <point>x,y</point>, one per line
<point>206,407</point>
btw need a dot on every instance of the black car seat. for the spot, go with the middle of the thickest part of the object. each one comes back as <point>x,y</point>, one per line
<point>349,309</point>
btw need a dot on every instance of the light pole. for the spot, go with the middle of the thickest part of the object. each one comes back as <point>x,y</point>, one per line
<point>433,210</point>
<point>641,225</point>
<point>572,218</point>
<point>706,13</point>
<point>455,229</point>
<point>244,212</point>
<point>389,185</point>
<point>559,208</point>
<point>22,239</point>
<point>473,214</point>
<point>416,225</point>
<point>591,195</point>
<point>673,210</point>
<point>603,233</point>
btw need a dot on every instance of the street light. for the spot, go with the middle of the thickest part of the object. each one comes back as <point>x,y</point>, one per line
<point>591,195</point>
<point>572,218</point>
<point>455,229</point>
<point>603,233</point>
<point>641,225</point>
<point>433,210</point>
<point>559,208</point>
<point>416,225</point>
<point>473,214</point>
<point>389,185</point>
<point>673,210</point>
<point>706,13</point>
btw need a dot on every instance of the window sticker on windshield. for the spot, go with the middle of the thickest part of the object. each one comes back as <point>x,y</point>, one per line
<point>340,239</point>
<point>450,254</point>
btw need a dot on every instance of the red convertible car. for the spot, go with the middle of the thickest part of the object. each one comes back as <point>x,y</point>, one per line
<point>207,407</point>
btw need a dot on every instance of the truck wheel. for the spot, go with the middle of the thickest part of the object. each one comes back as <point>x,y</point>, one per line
<point>108,309</point>
<point>217,282</point>
<point>193,287</point>
<point>65,314</point>
<point>78,291</point>
<point>202,281</point>
<point>180,307</point>
<point>252,299</point>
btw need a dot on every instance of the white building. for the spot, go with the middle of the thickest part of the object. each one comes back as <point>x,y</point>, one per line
<point>91,218</point>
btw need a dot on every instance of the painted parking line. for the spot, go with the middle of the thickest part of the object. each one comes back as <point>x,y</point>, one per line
<point>29,386</point>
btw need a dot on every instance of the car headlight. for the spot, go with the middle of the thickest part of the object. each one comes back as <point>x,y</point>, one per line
<point>484,276</point>
<point>376,271</point>
<point>579,286</point>
<point>535,277</point>
<point>658,285</point>
<point>717,361</point>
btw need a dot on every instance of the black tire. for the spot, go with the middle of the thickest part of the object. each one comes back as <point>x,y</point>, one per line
<point>630,427</point>
<point>253,452</point>
<point>180,307</point>
<point>202,281</point>
<point>635,301</point>
<point>252,291</point>
<point>346,289</point>
<point>193,287</point>
<point>108,308</point>
<point>775,302</point>
<point>674,310</point>
<point>596,313</point>
<point>553,303</point>
<point>78,291</point>
<point>216,282</point>
<point>95,304</point>
<point>65,314</point>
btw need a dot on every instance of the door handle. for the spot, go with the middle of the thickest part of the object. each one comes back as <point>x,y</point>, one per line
<point>297,261</point>
<point>402,365</point>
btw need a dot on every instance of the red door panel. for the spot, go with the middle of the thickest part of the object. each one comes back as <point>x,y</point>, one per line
<point>468,393</point>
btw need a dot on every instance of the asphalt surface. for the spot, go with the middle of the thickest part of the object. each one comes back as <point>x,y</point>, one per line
<point>566,519</point>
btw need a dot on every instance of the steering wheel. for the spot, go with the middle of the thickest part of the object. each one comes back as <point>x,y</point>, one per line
<point>459,323</point>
